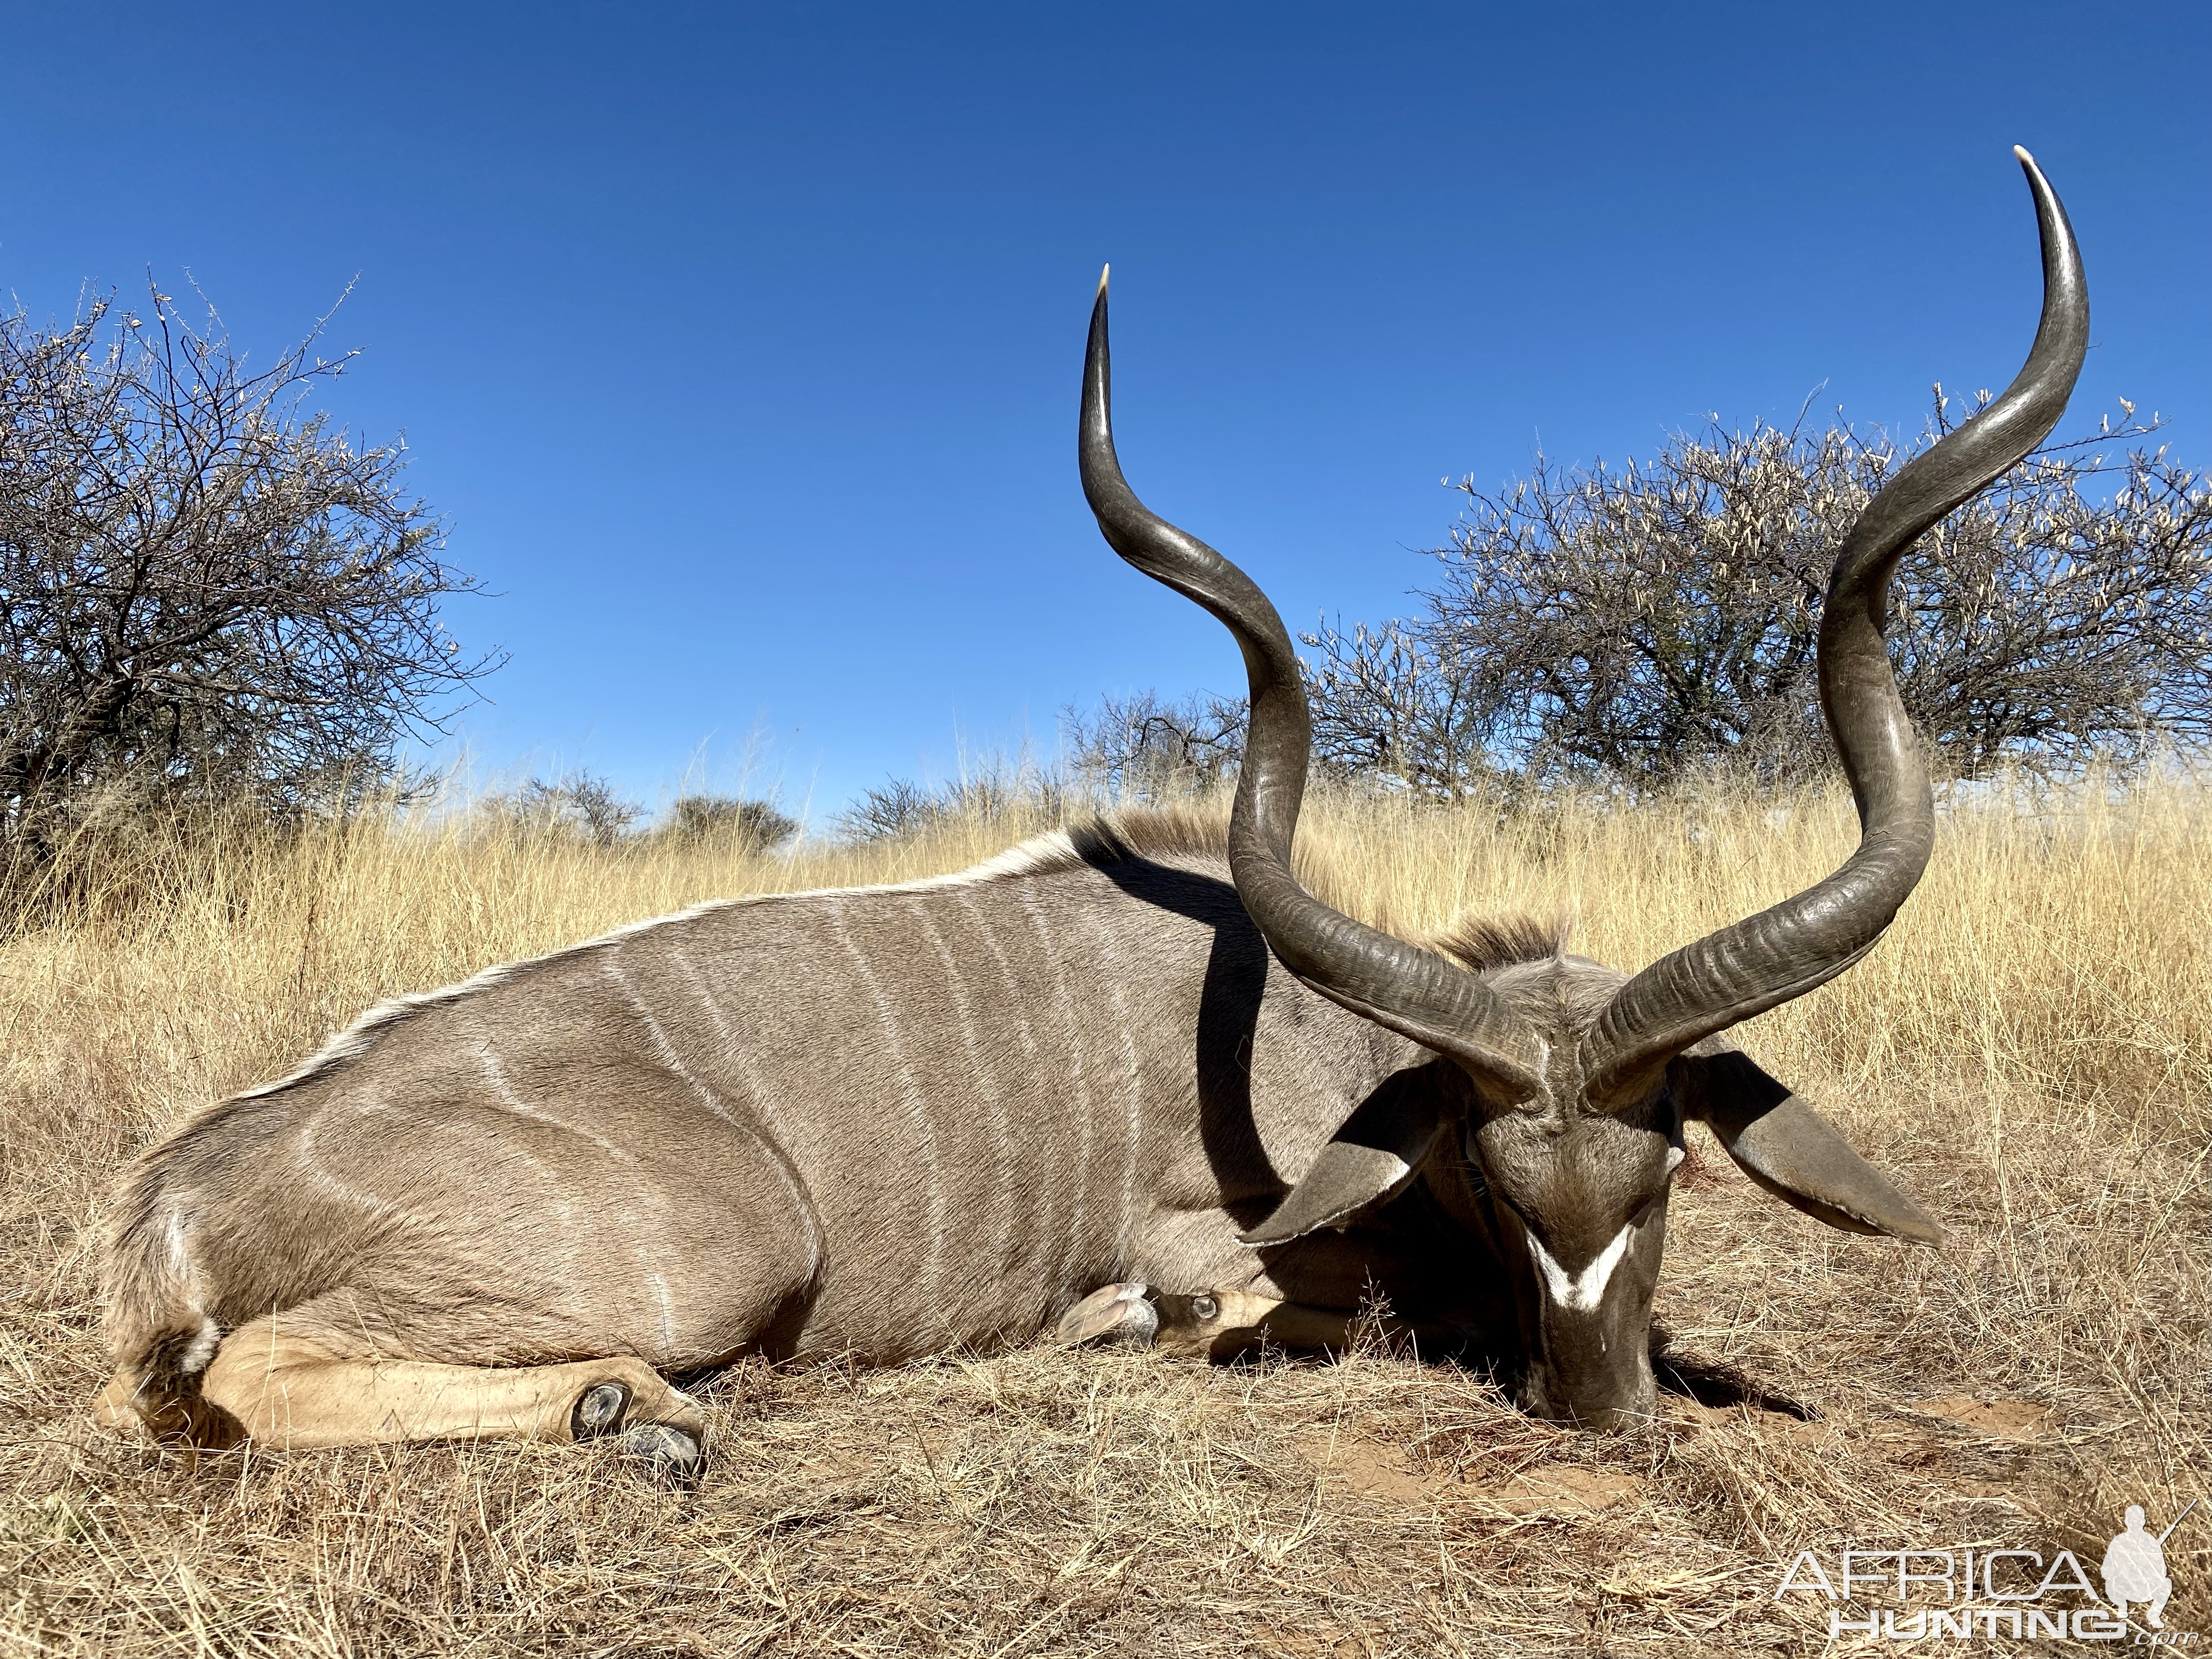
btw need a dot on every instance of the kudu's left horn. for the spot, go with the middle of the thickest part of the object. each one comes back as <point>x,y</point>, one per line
<point>1764,960</point>
<point>1408,990</point>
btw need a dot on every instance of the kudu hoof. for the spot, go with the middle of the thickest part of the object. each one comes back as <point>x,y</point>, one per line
<point>1120,1315</point>
<point>665,1455</point>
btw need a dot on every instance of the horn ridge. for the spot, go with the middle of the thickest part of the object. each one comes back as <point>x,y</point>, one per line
<point>1399,986</point>
<point>1790,949</point>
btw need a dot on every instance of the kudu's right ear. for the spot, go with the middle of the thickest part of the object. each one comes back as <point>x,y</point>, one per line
<point>1374,1154</point>
<point>1789,1149</point>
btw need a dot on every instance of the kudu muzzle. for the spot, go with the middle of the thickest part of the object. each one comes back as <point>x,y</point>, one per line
<point>1585,1327</point>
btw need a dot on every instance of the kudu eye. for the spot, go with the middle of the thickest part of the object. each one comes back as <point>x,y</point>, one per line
<point>1204,1307</point>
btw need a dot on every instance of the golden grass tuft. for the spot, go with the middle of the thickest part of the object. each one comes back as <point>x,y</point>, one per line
<point>2029,1050</point>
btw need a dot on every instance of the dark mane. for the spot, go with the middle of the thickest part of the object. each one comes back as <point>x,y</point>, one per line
<point>1180,834</point>
<point>1482,942</point>
<point>1164,834</point>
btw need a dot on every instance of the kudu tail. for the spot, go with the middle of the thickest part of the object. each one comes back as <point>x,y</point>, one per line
<point>158,1330</point>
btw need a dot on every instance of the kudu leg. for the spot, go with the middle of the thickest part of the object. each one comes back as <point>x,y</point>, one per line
<point>1222,1324</point>
<point>292,1392</point>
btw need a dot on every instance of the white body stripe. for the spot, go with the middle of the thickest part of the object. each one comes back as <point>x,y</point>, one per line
<point>917,1108</point>
<point>1584,1290</point>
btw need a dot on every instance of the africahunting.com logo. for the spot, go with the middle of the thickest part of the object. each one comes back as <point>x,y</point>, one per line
<point>2004,1592</point>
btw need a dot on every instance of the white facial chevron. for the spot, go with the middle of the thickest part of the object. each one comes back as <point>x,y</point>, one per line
<point>1585,1289</point>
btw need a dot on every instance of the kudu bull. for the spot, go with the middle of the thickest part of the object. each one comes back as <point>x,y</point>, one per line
<point>1129,1078</point>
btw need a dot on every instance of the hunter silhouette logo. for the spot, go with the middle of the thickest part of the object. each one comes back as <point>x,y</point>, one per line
<point>1991,1593</point>
<point>2135,1567</point>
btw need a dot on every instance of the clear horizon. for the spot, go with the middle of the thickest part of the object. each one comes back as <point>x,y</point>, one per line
<point>739,348</point>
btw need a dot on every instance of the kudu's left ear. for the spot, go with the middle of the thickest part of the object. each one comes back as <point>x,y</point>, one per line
<point>1789,1149</point>
<point>1372,1156</point>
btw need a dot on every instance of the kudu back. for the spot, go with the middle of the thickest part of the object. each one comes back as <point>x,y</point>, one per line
<point>1133,1078</point>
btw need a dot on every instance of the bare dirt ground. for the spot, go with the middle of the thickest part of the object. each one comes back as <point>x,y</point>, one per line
<point>2029,1052</point>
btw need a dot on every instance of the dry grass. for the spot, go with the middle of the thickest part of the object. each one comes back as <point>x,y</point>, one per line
<point>2029,1049</point>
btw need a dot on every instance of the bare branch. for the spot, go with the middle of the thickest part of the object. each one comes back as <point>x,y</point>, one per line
<point>1659,619</point>
<point>205,587</point>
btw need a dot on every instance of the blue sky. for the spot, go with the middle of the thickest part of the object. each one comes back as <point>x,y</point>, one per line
<point>739,346</point>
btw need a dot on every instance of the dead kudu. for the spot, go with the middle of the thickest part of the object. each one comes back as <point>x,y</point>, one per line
<point>1124,1078</point>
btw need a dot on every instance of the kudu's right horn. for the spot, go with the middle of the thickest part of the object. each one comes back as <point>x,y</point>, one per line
<point>1412,992</point>
<point>1764,960</point>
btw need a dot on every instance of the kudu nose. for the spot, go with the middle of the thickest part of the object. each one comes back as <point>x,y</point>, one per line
<point>1611,1403</point>
<point>1600,1419</point>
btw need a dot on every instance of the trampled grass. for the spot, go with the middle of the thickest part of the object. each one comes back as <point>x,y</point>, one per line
<point>2029,1050</point>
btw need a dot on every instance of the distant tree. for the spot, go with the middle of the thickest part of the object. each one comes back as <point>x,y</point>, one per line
<point>1388,702</point>
<point>756,825</point>
<point>1139,748</point>
<point>205,588</point>
<point>580,805</point>
<point>1016,795</point>
<point>889,810</point>
<point>1642,624</point>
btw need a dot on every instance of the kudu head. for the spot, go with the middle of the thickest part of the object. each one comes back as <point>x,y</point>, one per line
<point>1572,1082</point>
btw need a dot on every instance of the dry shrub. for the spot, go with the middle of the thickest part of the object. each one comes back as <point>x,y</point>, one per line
<point>2029,1050</point>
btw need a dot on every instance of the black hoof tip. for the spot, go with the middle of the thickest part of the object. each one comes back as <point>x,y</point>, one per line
<point>599,1409</point>
<point>671,1456</point>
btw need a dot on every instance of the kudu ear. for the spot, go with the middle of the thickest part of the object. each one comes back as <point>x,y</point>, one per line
<point>1372,1155</point>
<point>1789,1149</point>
